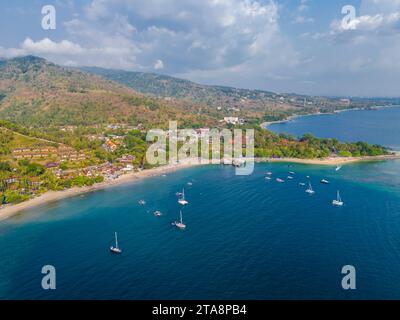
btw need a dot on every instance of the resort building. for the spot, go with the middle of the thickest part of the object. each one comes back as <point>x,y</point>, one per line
<point>110,146</point>
<point>233,120</point>
<point>64,153</point>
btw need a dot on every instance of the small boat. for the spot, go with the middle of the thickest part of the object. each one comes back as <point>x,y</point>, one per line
<point>338,202</point>
<point>310,189</point>
<point>157,213</point>
<point>180,224</point>
<point>291,172</point>
<point>268,178</point>
<point>280,180</point>
<point>142,202</point>
<point>115,249</point>
<point>290,177</point>
<point>182,199</point>
<point>269,173</point>
<point>190,183</point>
<point>338,168</point>
<point>302,184</point>
<point>308,177</point>
<point>324,181</point>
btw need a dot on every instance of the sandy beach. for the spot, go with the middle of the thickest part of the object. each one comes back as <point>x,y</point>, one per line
<point>8,211</point>
<point>332,161</point>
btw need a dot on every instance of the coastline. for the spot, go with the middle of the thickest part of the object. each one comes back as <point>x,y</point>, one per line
<point>8,211</point>
<point>266,124</point>
<point>331,161</point>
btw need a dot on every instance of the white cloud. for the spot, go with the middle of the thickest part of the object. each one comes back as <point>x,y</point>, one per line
<point>303,5</point>
<point>47,46</point>
<point>158,65</point>
<point>189,35</point>
<point>300,14</point>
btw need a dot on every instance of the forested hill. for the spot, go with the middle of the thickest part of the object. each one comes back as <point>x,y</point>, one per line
<point>166,86</point>
<point>35,92</point>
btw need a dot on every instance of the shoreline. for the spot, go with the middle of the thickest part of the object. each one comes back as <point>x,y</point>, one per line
<point>330,161</point>
<point>11,210</point>
<point>265,125</point>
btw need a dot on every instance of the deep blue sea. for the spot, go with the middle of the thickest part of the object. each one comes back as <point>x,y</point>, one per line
<point>379,126</point>
<point>246,238</point>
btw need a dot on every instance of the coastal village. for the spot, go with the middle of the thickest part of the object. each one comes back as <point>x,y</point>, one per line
<point>75,167</point>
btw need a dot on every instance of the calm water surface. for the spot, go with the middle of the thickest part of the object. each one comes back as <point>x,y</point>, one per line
<point>246,238</point>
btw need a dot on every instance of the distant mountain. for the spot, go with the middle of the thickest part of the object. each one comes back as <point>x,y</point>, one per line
<point>220,96</point>
<point>35,92</point>
<point>169,87</point>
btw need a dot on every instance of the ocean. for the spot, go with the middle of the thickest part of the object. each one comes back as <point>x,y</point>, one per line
<point>246,237</point>
<point>380,126</point>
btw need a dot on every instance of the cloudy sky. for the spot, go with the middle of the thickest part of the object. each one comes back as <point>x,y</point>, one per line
<point>298,46</point>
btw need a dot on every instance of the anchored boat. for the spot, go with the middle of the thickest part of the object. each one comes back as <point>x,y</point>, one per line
<point>310,189</point>
<point>338,202</point>
<point>180,224</point>
<point>182,199</point>
<point>115,249</point>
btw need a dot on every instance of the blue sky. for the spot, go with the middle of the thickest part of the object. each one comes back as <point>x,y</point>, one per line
<point>280,45</point>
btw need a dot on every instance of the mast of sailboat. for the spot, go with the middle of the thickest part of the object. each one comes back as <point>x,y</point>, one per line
<point>116,240</point>
<point>183,193</point>
<point>338,196</point>
<point>181,217</point>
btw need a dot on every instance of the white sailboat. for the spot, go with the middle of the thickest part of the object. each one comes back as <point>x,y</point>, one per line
<point>158,213</point>
<point>116,249</point>
<point>338,202</point>
<point>338,168</point>
<point>310,189</point>
<point>182,199</point>
<point>180,224</point>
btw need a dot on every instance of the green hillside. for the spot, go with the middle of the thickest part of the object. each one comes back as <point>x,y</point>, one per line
<point>37,93</point>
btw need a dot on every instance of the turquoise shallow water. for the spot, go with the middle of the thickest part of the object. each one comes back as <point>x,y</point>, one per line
<point>375,126</point>
<point>246,238</point>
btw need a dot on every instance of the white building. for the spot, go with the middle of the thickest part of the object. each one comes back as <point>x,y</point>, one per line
<point>233,120</point>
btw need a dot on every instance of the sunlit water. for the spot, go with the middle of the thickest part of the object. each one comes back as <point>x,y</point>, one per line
<point>381,126</point>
